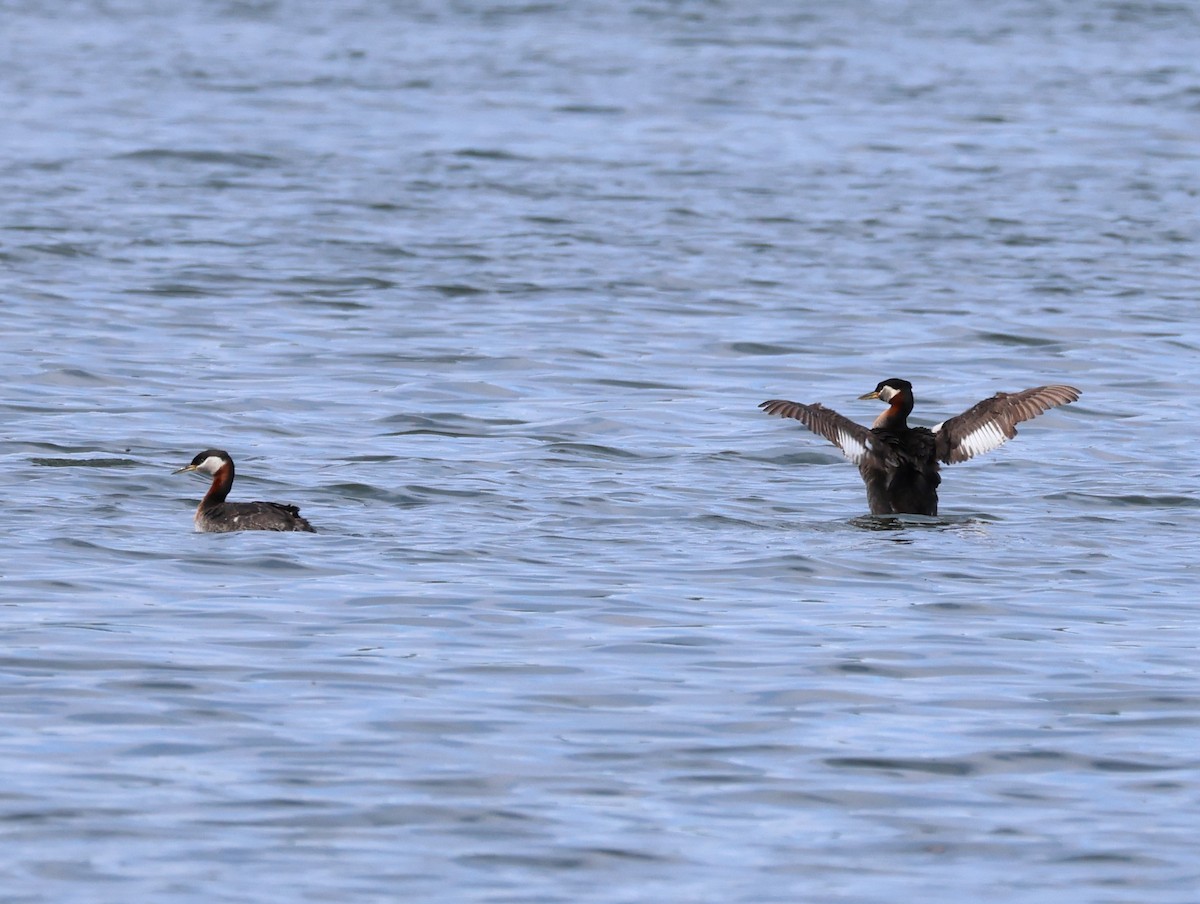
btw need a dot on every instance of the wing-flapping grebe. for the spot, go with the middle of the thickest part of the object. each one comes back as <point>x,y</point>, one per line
<point>899,463</point>
<point>215,515</point>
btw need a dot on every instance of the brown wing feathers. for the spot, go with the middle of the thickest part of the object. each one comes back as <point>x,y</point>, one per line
<point>844,433</point>
<point>990,423</point>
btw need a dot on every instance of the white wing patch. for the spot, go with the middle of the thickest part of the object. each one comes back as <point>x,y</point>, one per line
<point>984,438</point>
<point>851,447</point>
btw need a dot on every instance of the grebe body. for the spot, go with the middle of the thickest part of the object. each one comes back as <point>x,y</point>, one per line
<point>901,464</point>
<point>215,515</point>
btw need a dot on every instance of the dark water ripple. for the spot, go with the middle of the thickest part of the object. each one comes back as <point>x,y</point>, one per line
<point>491,290</point>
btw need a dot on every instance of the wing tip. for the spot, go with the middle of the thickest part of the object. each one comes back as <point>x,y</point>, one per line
<point>779,406</point>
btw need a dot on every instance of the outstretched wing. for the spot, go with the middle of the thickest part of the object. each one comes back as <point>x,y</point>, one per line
<point>992,422</point>
<point>848,436</point>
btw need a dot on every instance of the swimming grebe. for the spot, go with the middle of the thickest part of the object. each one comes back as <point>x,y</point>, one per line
<point>899,463</point>
<point>215,515</point>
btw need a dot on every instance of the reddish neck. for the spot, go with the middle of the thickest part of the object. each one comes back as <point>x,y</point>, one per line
<point>222,481</point>
<point>895,418</point>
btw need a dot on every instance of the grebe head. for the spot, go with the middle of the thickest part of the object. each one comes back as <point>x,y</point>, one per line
<point>889,389</point>
<point>208,462</point>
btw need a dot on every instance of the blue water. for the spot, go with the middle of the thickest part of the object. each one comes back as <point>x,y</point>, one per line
<point>492,292</point>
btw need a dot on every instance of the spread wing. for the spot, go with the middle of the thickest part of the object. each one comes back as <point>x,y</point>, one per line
<point>848,436</point>
<point>992,422</point>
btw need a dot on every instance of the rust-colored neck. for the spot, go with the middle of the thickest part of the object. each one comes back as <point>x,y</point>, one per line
<point>895,417</point>
<point>222,481</point>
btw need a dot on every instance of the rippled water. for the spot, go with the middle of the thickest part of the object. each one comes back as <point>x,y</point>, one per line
<point>492,291</point>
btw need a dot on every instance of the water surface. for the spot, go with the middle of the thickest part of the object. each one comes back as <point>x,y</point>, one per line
<point>492,291</point>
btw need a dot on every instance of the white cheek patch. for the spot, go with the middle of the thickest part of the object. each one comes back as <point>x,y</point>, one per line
<point>210,465</point>
<point>887,393</point>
